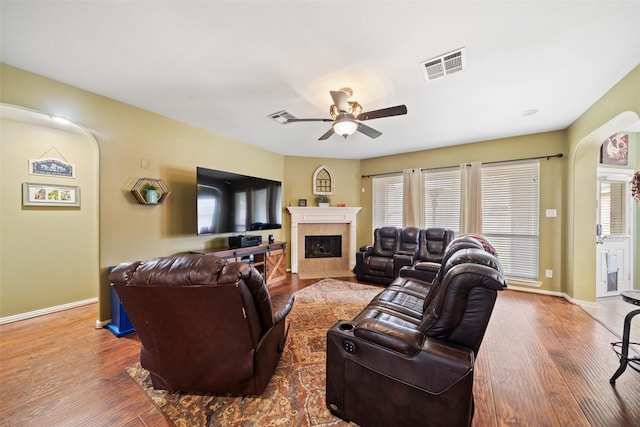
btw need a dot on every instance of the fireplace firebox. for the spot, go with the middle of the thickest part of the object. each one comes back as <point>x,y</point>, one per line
<point>323,246</point>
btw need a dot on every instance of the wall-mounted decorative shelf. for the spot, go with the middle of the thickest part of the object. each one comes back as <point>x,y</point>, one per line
<point>142,194</point>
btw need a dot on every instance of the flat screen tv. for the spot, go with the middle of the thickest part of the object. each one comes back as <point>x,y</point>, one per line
<point>232,203</point>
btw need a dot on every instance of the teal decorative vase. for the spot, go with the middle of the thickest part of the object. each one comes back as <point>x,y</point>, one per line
<point>151,196</point>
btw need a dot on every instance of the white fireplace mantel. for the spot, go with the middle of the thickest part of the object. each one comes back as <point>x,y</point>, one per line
<point>317,215</point>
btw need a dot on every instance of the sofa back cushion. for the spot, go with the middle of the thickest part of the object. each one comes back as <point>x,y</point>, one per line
<point>433,243</point>
<point>409,240</point>
<point>385,241</point>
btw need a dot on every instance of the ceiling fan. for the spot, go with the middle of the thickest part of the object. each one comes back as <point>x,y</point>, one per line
<point>347,115</point>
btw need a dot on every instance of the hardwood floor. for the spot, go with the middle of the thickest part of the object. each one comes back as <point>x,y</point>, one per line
<point>543,362</point>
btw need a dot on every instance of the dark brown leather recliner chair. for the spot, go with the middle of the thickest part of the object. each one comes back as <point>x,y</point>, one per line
<point>424,266</point>
<point>402,365</point>
<point>204,325</point>
<point>375,263</point>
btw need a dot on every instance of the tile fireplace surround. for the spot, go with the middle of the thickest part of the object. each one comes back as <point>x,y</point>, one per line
<point>319,221</point>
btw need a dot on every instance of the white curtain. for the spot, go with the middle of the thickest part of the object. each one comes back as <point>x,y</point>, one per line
<point>471,198</point>
<point>412,195</point>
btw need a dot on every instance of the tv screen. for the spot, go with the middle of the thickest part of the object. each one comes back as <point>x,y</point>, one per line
<point>232,203</point>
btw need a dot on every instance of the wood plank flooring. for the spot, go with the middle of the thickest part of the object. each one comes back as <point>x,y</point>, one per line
<point>543,362</point>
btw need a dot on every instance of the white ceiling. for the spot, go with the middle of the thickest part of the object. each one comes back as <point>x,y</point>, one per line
<point>226,65</point>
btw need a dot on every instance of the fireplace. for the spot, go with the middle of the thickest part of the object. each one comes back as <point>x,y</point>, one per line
<point>316,222</point>
<point>323,246</point>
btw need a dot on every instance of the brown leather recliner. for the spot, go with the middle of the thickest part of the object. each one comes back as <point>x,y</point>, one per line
<point>204,325</point>
<point>420,352</point>
<point>375,263</point>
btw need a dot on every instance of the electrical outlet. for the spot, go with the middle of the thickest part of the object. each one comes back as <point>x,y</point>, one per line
<point>549,273</point>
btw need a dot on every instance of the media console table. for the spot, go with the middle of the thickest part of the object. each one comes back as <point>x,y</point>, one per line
<point>269,259</point>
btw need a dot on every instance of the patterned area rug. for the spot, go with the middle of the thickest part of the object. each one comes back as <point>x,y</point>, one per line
<point>295,395</point>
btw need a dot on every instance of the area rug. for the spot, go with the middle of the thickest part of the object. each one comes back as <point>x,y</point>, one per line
<point>295,396</point>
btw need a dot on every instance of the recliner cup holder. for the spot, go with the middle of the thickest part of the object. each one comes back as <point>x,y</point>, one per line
<point>346,327</point>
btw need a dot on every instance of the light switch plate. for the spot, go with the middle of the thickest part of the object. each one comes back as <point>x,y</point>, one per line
<point>552,213</point>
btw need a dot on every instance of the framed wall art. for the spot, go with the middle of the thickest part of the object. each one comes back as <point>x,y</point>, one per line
<point>615,150</point>
<point>50,195</point>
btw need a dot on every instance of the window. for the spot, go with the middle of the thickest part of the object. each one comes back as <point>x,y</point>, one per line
<point>387,201</point>
<point>510,212</point>
<point>442,198</point>
<point>510,209</point>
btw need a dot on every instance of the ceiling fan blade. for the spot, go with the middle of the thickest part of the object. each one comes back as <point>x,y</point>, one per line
<point>327,134</point>
<point>398,110</point>
<point>370,132</point>
<point>340,100</point>
<point>308,120</point>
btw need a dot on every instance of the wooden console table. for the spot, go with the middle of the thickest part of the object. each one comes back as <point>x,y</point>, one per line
<point>269,259</point>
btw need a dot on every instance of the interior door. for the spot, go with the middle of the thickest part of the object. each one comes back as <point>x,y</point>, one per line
<point>614,232</point>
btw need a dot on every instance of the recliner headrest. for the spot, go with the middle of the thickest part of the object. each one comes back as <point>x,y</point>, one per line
<point>474,256</point>
<point>179,270</point>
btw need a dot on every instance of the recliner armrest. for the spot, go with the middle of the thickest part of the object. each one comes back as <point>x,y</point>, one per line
<point>281,306</point>
<point>426,265</point>
<point>402,259</point>
<point>366,248</point>
<point>392,336</point>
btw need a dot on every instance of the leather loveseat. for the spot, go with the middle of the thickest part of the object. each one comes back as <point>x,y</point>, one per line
<point>408,357</point>
<point>204,325</point>
<point>394,248</point>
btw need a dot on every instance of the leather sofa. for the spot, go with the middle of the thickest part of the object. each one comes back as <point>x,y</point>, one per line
<point>408,358</point>
<point>205,325</point>
<point>394,248</point>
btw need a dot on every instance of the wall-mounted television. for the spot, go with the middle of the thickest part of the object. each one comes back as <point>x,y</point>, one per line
<point>233,203</point>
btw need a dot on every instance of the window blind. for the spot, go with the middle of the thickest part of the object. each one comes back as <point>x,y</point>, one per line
<point>612,209</point>
<point>510,215</point>
<point>387,201</point>
<point>442,198</point>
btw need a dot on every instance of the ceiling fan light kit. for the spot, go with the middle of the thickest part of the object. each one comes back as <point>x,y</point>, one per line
<point>344,126</point>
<point>347,116</point>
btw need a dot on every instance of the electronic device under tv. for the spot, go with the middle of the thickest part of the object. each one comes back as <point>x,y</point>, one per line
<point>233,203</point>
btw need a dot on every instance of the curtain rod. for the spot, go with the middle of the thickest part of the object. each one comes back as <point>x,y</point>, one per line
<point>559,155</point>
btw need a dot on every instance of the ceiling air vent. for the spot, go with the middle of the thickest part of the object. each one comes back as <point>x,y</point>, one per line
<point>281,116</point>
<point>444,65</point>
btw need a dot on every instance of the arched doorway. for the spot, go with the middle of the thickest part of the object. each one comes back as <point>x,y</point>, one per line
<point>583,205</point>
<point>49,252</point>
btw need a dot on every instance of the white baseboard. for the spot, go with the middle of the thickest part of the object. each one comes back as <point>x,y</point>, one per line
<point>48,310</point>
<point>543,292</point>
<point>102,323</point>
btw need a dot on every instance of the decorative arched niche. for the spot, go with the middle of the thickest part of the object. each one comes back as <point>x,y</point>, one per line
<point>323,181</point>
